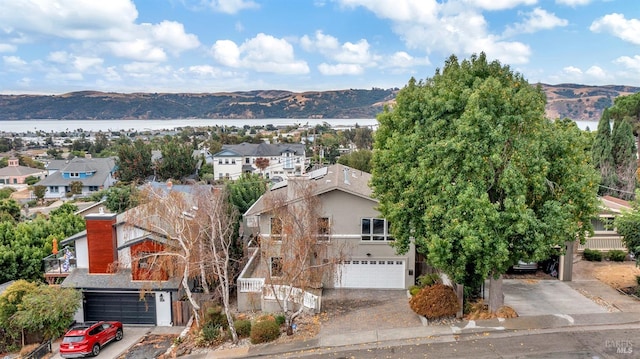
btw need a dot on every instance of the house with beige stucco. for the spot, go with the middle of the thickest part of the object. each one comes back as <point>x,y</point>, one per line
<point>15,175</point>
<point>351,221</point>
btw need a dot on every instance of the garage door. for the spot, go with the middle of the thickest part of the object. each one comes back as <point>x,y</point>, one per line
<point>125,307</point>
<point>366,273</point>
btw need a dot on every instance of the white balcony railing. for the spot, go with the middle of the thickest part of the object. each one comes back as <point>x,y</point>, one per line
<point>250,285</point>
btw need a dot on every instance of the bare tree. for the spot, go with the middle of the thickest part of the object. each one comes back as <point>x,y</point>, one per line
<point>298,253</point>
<point>171,216</point>
<point>218,220</point>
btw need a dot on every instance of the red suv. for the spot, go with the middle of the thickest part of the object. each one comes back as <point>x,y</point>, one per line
<point>88,338</point>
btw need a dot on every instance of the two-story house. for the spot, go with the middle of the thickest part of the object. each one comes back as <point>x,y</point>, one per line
<point>114,278</point>
<point>95,174</point>
<point>350,220</point>
<point>274,161</point>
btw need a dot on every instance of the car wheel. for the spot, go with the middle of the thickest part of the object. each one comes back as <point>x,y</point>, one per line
<point>119,335</point>
<point>95,350</point>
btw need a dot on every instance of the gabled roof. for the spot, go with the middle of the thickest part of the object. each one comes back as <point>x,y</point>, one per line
<point>333,178</point>
<point>101,167</point>
<point>613,204</point>
<point>260,149</point>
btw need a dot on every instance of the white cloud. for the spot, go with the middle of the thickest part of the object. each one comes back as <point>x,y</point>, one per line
<point>171,34</point>
<point>402,59</point>
<point>572,71</point>
<point>632,63</point>
<point>499,4</point>
<point>330,48</point>
<point>139,50</point>
<point>14,62</point>
<point>232,6</point>
<point>536,20</point>
<point>617,25</point>
<point>453,27</point>
<point>573,3</point>
<point>79,63</point>
<point>596,72</point>
<point>73,19</point>
<point>263,53</point>
<point>7,48</point>
<point>103,24</point>
<point>340,69</point>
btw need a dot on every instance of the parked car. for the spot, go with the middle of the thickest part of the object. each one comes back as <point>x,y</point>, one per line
<point>523,266</point>
<point>87,339</point>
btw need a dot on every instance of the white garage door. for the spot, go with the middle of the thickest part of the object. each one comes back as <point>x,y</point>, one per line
<point>366,273</point>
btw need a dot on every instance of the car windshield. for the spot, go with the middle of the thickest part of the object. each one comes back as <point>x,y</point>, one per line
<point>72,339</point>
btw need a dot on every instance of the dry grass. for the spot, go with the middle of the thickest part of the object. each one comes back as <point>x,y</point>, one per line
<point>480,310</point>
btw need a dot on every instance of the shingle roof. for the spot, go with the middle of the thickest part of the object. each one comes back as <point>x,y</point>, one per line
<point>334,177</point>
<point>121,280</point>
<point>17,171</point>
<point>264,149</point>
<point>101,167</point>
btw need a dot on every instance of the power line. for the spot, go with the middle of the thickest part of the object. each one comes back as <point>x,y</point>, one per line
<point>616,189</point>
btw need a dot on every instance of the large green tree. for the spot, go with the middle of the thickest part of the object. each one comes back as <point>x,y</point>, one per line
<point>623,151</point>
<point>602,156</point>
<point>177,160</point>
<point>467,168</point>
<point>134,162</point>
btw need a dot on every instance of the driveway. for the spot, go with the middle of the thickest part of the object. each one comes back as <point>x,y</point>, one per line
<point>356,310</point>
<point>132,334</point>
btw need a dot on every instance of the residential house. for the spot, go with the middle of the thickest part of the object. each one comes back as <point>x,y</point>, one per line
<point>352,222</point>
<point>95,174</point>
<point>280,161</point>
<point>111,276</point>
<point>605,237</point>
<point>15,175</point>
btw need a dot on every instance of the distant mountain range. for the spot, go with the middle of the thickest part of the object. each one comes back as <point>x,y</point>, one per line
<point>577,102</point>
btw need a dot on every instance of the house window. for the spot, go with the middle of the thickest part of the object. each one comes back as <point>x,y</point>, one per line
<point>220,161</point>
<point>220,176</point>
<point>93,188</point>
<point>323,229</point>
<point>276,228</point>
<point>226,161</point>
<point>247,160</point>
<point>603,224</point>
<point>54,190</point>
<point>74,174</point>
<point>276,266</point>
<point>376,229</point>
<point>233,161</point>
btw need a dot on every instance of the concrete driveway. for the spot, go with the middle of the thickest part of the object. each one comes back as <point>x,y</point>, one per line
<point>530,297</point>
<point>356,310</point>
<point>132,334</point>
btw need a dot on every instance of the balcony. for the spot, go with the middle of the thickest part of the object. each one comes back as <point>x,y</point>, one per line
<point>58,266</point>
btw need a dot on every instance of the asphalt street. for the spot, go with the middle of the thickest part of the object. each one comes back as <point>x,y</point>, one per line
<point>604,342</point>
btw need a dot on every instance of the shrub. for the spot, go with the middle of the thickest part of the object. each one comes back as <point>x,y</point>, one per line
<point>592,255</point>
<point>427,280</point>
<point>617,255</point>
<point>243,328</point>
<point>414,289</point>
<point>264,331</point>
<point>280,319</point>
<point>211,332</point>
<point>436,301</point>
<point>215,316</point>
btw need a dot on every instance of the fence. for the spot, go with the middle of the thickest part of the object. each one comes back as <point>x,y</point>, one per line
<point>41,351</point>
<point>296,295</point>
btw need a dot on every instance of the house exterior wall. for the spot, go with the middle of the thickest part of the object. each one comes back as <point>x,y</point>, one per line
<point>82,253</point>
<point>345,212</point>
<point>101,242</point>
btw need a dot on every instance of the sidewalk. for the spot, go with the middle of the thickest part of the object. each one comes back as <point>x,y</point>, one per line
<point>612,308</point>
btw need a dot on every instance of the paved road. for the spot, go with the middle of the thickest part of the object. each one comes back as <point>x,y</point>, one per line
<point>593,343</point>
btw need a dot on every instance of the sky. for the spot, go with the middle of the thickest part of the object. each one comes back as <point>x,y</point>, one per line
<point>60,46</point>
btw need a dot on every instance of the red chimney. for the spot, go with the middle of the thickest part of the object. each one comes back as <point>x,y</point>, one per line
<point>101,241</point>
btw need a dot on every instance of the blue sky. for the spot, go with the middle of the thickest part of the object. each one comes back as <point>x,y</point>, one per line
<point>59,46</point>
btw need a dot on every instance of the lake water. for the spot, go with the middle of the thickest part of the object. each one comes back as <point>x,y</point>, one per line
<point>144,125</point>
